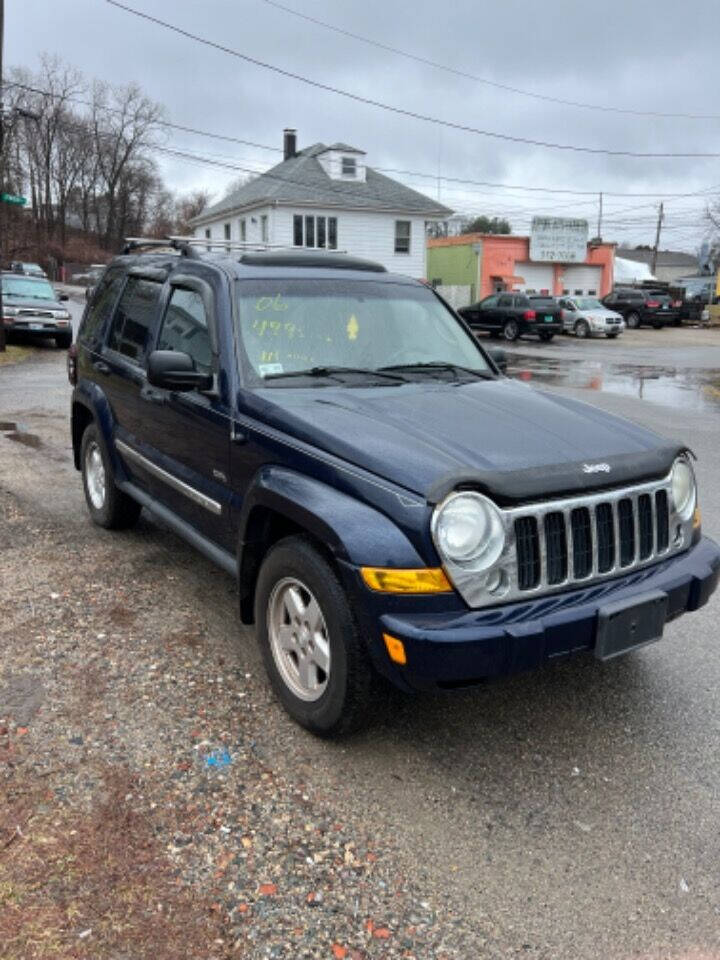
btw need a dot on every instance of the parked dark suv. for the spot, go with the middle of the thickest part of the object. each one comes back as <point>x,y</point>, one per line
<point>335,438</point>
<point>639,308</point>
<point>514,315</point>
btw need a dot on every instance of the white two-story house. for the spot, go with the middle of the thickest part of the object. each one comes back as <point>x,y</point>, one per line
<point>328,198</point>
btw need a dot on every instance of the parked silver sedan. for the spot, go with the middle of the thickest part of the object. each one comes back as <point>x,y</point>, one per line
<point>587,317</point>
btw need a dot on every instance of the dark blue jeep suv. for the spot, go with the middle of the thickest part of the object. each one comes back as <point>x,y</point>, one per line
<point>335,437</point>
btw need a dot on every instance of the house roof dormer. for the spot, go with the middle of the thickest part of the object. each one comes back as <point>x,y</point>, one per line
<point>343,162</point>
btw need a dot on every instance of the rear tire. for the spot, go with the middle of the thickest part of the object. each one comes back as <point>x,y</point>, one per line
<point>63,341</point>
<point>612,336</point>
<point>511,330</point>
<point>108,506</point>
<point>633,321</point>
<point>313,652</point>
<point>582,330</point>
<point>658,326</point>
<point>546,337</point>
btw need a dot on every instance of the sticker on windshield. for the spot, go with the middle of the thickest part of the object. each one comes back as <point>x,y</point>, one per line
<point>267,368</point>
<point>352,327</point>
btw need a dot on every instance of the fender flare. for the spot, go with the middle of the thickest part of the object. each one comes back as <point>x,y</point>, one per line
<point>350,529</point>
<point>90,396</point>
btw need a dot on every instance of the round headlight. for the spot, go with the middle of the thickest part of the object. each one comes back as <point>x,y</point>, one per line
<point>683,488</point>
<point>468,530</point>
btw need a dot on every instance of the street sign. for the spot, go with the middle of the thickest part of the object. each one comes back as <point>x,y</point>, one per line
<point>13,198</point>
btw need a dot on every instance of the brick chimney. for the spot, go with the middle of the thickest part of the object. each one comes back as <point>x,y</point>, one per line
<point>289,143</point>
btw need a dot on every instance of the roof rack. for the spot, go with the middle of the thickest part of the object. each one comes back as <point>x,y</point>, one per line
<point>133,244</point>
<point>242,245</point>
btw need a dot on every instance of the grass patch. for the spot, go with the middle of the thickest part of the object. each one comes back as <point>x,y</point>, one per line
<point>14,354</point>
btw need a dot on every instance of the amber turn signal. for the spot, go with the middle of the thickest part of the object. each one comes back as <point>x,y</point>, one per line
<point>395,649</point>
<point>393,580</point>
<point>697,518</point>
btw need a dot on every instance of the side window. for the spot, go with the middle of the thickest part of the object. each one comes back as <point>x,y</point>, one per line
<point>505,301</point>
<point>101,307</point>
<point>185,328</point>
<point>133,319</point>
<point>490,302</point>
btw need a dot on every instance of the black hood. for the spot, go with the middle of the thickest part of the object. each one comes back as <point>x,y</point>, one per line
<point>512,441</point>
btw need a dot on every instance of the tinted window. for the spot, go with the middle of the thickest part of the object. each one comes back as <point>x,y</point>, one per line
<point>133,319</point>
<point>489,302</point>
<point>185,328</point>
<point>505,301</point>
<point>542,302</point>
<point>101,307</point>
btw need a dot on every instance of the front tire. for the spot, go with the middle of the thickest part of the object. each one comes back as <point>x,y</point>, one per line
<point>582,330</point>
<point>108,506</point>
<point>314,655</point>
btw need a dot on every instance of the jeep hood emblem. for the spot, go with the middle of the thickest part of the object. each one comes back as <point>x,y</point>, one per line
<point>596,468</point>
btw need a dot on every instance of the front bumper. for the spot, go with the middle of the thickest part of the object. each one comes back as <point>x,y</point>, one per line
<point>456,649</point>
<point>40,327</point>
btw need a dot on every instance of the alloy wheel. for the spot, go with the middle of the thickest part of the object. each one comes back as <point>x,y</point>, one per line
<point>95,476</point>
<point>299,639</point>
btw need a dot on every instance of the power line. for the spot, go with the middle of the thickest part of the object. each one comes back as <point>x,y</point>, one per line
<point>390,170</point>
<point>401,111</point>
<point>490,83</point>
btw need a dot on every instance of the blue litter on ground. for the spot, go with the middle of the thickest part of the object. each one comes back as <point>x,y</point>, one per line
<point>218,758</point>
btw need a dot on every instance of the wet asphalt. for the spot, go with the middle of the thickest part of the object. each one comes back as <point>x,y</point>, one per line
<point>573,812</point>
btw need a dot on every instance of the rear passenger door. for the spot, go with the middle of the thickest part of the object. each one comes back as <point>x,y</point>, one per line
<point>119,368</point>
<point>187,434</point>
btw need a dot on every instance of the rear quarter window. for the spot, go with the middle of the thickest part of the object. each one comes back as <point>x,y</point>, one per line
<point>101,307</point>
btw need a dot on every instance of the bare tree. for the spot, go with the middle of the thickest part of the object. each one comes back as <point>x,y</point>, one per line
<point>125,125</point>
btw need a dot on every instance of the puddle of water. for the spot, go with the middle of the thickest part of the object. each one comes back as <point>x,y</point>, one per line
<point>27,439</point>
<point>672,386</point>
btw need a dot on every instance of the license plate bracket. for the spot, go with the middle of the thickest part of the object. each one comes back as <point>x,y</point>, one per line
<point>36,326</point>
<point>629,624</point>
<point>549,319</point>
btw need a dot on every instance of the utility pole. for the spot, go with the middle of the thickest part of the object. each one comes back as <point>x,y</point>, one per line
<point>2,167</point>
<point>657,240</point>
<point>599,230</point>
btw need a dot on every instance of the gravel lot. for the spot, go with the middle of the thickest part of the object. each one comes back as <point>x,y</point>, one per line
<point>155,801</point>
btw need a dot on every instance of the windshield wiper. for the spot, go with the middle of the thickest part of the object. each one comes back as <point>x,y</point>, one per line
<point>432,366</point>
<point>336,373</point>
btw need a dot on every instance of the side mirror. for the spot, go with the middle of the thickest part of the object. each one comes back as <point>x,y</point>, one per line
<point>63,296</point>
<point>173,370</point>
<point>499,358</point>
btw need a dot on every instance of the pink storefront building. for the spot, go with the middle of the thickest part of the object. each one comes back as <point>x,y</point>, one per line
<point>488,263</point>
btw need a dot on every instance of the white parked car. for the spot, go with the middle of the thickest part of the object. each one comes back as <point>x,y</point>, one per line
<point>588,317</point>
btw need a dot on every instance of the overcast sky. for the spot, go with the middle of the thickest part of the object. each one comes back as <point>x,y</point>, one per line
<point>659,56</point>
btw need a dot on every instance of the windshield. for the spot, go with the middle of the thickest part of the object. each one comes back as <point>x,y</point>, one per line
<point>294,325</point>
<point>588,303</point>
<point>26,288</point>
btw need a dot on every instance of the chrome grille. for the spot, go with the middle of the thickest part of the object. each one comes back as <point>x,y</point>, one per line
<point>590,537</point>
<point>31,312</point>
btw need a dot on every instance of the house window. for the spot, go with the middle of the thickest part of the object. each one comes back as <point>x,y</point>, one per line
<point>243,230</point>
<point>402,236</point>
<point>264,228</point>
<point>316,232</point>
<point>207,237</point>
<point>227,231</point>
<point>349,167</point>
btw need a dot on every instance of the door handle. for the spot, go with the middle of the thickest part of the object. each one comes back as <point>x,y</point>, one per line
<point>152,396</point>
<point>101,366</point>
